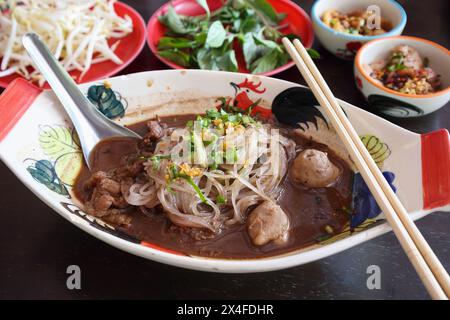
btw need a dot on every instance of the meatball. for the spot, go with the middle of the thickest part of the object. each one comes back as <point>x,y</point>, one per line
<point>313,169</point>
<point>412,57</point>
<point>266,223</point>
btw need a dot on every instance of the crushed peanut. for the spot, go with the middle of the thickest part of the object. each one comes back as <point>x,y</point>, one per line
<point>189,171</point>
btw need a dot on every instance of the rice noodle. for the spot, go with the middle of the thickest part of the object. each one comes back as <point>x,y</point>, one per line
<point>239,185</point>
<point>168,201</point>
<point>139,194</point>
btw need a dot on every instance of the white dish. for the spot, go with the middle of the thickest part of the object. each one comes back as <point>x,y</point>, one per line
<point>36,133</point>
<point>345,45</point>
<point>393,103</point>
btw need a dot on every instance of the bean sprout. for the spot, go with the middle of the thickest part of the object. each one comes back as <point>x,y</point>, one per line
<point>76,32</point>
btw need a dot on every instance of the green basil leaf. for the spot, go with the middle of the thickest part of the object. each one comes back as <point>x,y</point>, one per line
<point>174,21</point>
<point>228,62</point>
<point>250,49</point>
<point>216,35</point>
<point>226,15</point>
<point>283,58</point>
<point>293,36</point>
<point>313,53</point>
<point>250,22</point>
<point>228,42</point>
<point>215,59</point>
<point>272,34</point>
<point>200,38</point>
<point>179,57</point>
<point>266,63</point>
<point>259,40</point>
<point>178,24</point>
<point>206,59</point>
<point>266,8</point>
<point>237,23</point>
<point>171,42</point>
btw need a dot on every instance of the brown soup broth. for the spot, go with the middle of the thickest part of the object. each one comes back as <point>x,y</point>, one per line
<point>311,212</point>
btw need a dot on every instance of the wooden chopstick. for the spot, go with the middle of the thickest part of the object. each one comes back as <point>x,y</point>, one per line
<point>361,158</point>
<point>433,262</point>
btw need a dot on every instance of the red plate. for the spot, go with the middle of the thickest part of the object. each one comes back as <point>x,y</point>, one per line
<point>128,49</point>
<point>297,22</point>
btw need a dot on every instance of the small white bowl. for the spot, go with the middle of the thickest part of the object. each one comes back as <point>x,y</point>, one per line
<point>393,103</point>
<point>345,45</point>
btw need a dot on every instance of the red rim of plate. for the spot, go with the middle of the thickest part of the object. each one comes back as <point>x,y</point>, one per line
<point>294,7</point>
<point>138,36</point>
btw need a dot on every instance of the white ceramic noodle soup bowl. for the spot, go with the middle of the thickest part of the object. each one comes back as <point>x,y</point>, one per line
<point>390,102</point>
<point>345,45</point>
<point>38,143</point>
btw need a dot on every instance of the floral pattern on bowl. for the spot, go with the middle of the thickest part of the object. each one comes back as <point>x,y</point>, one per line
<point>39,145</point>
<point>383,100</point>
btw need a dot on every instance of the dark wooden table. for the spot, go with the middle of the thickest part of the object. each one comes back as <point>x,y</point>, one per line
<point>37,245</point>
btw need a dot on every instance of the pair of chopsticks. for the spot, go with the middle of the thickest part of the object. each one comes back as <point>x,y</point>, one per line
<point>430,270</point>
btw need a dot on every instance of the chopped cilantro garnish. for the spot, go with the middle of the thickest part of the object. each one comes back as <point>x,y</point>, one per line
<point>220,199</point>
<point>156,160</point>
<point>174,174</point>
